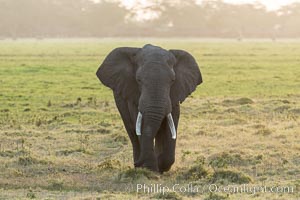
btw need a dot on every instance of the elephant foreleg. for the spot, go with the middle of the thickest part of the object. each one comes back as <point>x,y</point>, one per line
<point>165,144</point>
<point>128,120</point>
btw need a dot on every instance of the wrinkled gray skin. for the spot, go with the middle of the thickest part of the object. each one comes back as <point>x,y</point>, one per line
<point>153,81</point>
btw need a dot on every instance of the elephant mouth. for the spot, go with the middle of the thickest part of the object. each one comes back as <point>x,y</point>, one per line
<point>138,125</point>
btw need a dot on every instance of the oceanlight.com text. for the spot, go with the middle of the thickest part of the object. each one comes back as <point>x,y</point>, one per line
<point>213,188</point>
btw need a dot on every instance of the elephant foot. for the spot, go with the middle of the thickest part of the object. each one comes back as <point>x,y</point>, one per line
<point>148,163</point>
<point>138,163</point>
<point>149,167</point>
<point>165,163</point>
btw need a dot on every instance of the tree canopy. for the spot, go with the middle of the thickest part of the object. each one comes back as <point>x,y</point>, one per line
<point>85,18</point>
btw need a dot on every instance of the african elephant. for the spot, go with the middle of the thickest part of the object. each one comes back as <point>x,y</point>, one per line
<point>148,84</point>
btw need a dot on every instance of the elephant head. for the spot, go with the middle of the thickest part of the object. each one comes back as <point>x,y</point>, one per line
<point>154,81</point>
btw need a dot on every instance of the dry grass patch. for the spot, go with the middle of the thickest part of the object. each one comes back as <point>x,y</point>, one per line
<point>229,176</point>
<point>137,175</point>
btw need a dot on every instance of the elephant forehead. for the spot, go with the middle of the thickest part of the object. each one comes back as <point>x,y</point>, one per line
<point>150,46</point>
<point>153,50</point>
<point>155,57</point>
<point>156,70</point>
<point>154,54</point>
<point>159,55</point>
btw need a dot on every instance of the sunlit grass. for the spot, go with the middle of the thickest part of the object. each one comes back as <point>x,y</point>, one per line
<point>61,134</point>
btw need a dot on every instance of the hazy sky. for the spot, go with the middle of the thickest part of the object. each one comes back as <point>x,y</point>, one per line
<point>270,4</point>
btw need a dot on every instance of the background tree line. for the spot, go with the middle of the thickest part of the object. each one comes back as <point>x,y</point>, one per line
<point>85,18</point>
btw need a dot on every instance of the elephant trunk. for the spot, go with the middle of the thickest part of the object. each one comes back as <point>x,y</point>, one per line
<point>148,125</point>
<point>152,120</point>
<point>154,106</point>
<point>138,126</point>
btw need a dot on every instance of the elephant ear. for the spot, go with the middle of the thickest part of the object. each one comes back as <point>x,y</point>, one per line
<point>187,76</point>
<point>118,73</point>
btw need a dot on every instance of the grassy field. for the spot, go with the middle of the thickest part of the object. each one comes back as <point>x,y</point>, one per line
<point>61,136</point>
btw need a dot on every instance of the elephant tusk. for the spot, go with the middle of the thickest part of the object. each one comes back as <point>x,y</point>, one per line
<point>172,126</point>
<point>138,124</point>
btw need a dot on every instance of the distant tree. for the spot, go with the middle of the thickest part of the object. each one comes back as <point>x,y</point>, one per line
<point>107,18</point>
<point>289,25</point>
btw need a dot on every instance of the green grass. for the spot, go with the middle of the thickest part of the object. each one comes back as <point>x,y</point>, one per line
<point>61,134</point>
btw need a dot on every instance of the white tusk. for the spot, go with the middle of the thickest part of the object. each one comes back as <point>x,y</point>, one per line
<point>172,126</point>
<point>138,124</point>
